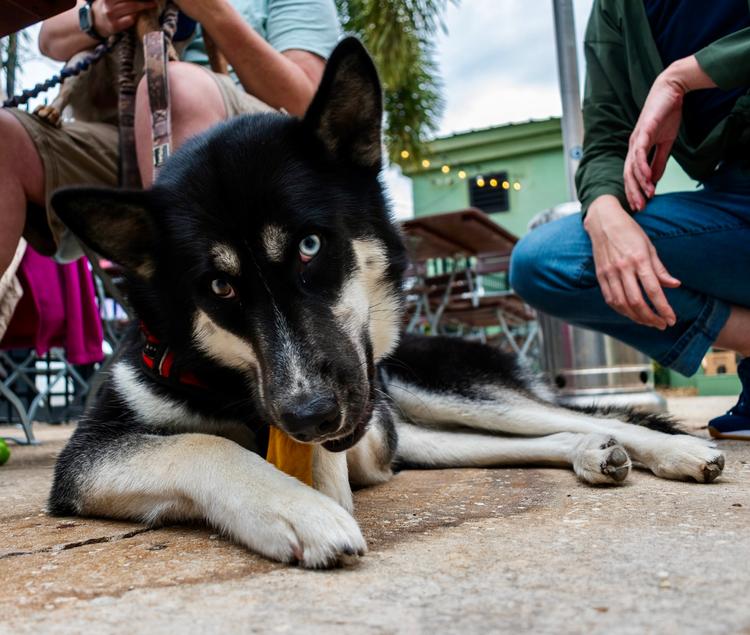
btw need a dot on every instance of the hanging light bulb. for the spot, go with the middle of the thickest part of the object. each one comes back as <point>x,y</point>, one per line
<point>404,154</point>
<point>493,182</point>
<point>480,181</point>
<point>461,174</point>
<point>425,163</point>
<point>506,185</point>
<point>445,169</point>
<point>517,186</point>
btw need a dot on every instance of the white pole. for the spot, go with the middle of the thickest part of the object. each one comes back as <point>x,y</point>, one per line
<point>567,70</point>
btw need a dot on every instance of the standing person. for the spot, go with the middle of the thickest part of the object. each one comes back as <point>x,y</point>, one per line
<point>665,273</point>
<point>277,49</point>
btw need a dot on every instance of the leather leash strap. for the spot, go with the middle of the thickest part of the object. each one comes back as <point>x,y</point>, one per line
<point>155,54</point>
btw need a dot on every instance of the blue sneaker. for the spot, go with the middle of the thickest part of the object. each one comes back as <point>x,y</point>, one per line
<point>735,424</point>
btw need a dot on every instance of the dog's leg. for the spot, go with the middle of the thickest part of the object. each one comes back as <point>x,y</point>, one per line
<point>52,112</point>
<point>331,476</point>
<point>370,460</point>
<point>196,476</point>
<point>510,411</point>
<point>595,458</point>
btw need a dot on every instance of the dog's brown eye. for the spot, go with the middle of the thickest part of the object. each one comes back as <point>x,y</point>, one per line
<point>222,288</point>
<point>309,247</point>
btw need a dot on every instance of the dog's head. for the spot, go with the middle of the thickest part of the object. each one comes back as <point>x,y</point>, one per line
<point>266,249</point>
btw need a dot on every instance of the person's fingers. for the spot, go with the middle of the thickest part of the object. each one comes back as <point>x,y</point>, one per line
<point>659,162</point>
<point>619,300</point>
<point>123,23</point>
<point>637,302</point>
<point>665,278</point>
<point>643,171</point>
<point>632,191</point>
<point>640,181</point>
<point>604,286</point>
<point>655,293</point>
<point>123,9</point>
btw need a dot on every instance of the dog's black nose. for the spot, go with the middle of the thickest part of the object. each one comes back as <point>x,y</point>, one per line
<point>312,418</point>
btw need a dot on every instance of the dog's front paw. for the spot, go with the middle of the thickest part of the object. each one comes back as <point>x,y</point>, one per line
<point>601,460</point>
<point>684,457</point>
<point>303,526</point>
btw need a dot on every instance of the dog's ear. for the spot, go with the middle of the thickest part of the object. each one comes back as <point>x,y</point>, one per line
<point>347,111</point>
<point>114,223</point>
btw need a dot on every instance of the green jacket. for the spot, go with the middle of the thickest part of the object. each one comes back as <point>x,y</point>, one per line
<point>622,62</point>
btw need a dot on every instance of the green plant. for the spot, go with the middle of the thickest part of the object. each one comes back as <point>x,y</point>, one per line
<point>400,35</point>
<point>15,49</point>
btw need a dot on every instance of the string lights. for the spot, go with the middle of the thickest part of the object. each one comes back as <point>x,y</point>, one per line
<point>506,185</point>
<point>463,174</point>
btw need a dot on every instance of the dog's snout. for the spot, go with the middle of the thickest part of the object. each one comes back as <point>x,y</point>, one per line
<point>308,419</point>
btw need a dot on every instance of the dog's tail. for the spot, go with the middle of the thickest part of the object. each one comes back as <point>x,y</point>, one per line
<point>652,420</point>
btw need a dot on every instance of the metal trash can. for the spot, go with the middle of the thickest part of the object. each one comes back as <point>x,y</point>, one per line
<point>588,367</point>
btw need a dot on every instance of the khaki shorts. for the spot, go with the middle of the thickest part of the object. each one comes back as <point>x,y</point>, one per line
<point>85,153</point>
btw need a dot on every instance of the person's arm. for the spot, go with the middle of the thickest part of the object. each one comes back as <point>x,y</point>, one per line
<point>724,64</point>
<point>283,80</point>
<point>727,61</point>
<point>624,258</point>
<point>61,37</point>
<point>657,128</point>
<point>607,122</point>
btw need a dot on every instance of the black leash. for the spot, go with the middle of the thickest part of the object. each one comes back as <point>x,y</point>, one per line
<point>68,71</point>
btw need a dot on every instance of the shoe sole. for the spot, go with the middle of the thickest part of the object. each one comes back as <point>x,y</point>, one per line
<point>737,435</point>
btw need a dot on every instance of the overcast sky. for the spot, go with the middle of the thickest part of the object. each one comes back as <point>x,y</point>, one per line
<point>498,65</point>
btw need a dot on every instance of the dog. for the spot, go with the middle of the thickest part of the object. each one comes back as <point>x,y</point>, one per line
<point>266,271</point>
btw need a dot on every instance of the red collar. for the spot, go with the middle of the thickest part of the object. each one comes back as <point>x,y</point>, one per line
<point>159,359</point>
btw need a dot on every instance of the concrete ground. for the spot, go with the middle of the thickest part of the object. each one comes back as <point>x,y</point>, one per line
<point>454,551</point>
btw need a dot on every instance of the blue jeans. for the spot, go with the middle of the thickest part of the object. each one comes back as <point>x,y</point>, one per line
<point>703,239</point>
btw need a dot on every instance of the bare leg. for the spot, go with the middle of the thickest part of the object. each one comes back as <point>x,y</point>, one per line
<point>21,180</point>
<point>735,336</point>
<point>196,105</point>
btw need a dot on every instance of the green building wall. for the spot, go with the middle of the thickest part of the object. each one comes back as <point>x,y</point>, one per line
<point>532,155</point>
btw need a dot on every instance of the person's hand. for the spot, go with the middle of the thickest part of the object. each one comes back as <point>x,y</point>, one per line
<point>113,16</point>
<point>657,128</point>
<point>627,265</point>
<point>201,10</point>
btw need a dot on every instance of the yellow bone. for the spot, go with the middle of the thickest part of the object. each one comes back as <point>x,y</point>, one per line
<point>290,456</point>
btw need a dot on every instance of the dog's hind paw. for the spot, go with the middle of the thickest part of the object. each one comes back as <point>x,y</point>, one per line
<point>684,457</point>
<point>601,460</point>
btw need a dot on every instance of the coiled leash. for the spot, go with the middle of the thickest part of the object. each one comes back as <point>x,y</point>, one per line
<point>68,71</point>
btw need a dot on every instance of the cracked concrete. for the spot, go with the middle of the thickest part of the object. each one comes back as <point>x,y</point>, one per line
<point>452,551</point>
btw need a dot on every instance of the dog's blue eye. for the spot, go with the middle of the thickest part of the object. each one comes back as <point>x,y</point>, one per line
<point>309,246</point>
<point>222,288</point>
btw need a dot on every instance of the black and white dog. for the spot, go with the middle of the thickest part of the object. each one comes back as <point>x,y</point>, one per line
<point>266,272</point>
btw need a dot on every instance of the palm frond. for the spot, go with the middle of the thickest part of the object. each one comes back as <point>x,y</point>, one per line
<point>14,50</point>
